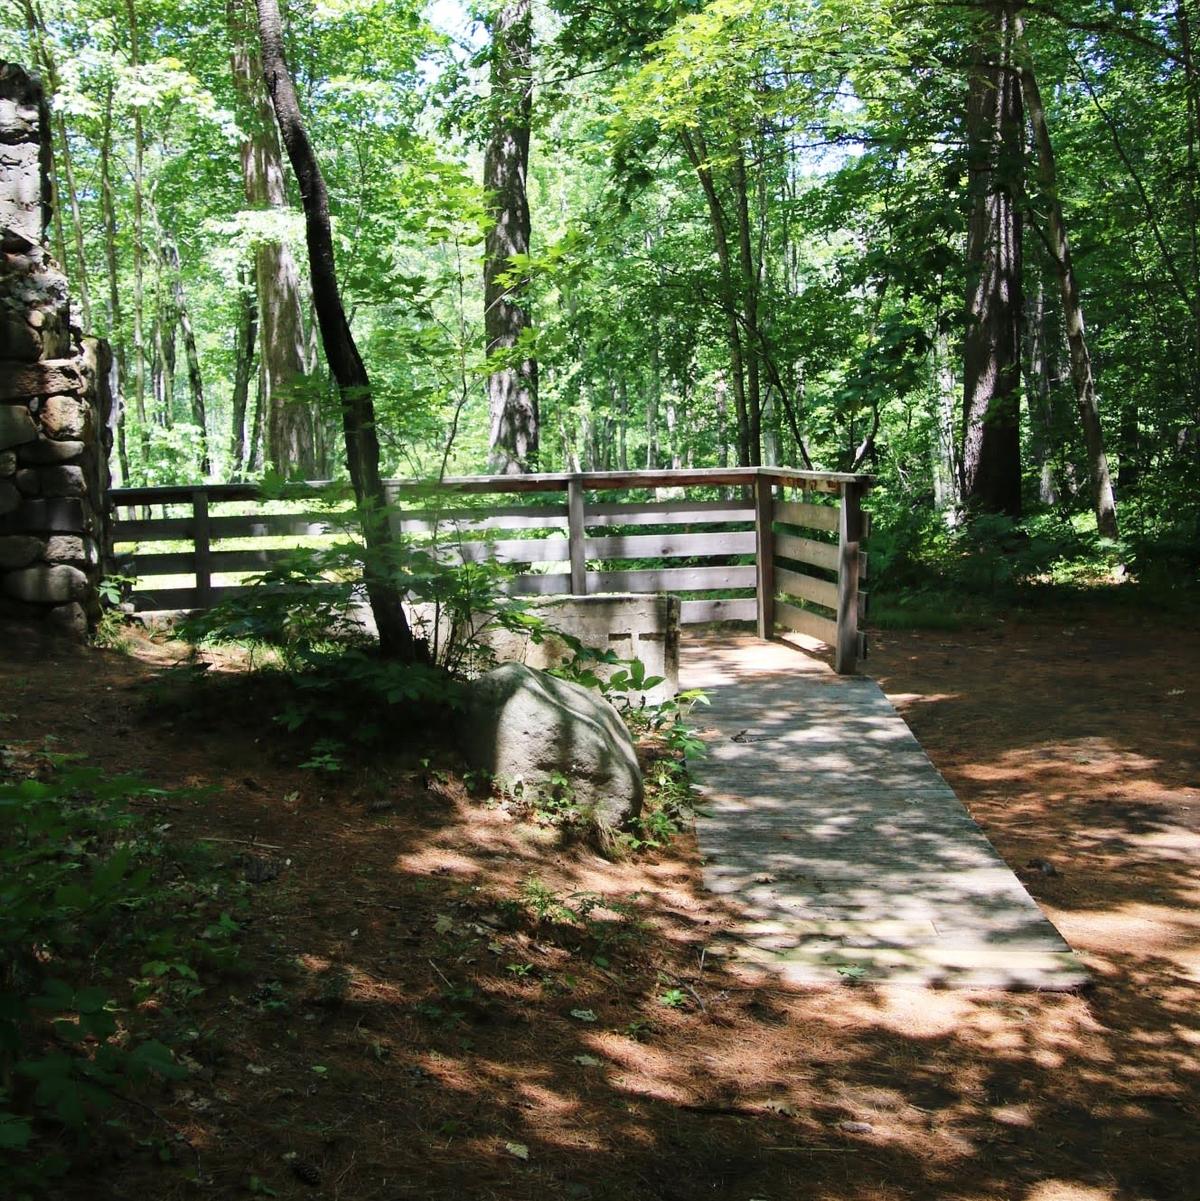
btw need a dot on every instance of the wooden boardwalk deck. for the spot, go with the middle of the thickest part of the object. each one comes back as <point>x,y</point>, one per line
<point>842,851</point>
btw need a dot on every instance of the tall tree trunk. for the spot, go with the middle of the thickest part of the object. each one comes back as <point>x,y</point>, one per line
<point>139,249</point>
<point>247,332</point>
<point>653,399</point>
<point>623,425</point>
<point>946,472</point>
<point>162,337</point>
<point>170,253</point>
<point>750,281</point>
<point>116,334</point>
<point>341,351</point>
<point>288,416</point>
<point>254,449</point>
<point>1039,397</point>
<point>512,382</point>
<point>991,455</point>
<point>697,154</point>
<point>1103,501</point>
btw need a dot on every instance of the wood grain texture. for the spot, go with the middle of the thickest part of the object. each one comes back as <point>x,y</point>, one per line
<point>839,849</point>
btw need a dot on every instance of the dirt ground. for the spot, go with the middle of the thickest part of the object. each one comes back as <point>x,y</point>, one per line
<point>399,1028</point>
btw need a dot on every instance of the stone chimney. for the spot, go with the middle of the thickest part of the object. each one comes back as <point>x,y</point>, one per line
<point>54,396</point>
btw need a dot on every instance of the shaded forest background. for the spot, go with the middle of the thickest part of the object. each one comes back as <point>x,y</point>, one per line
<point>956,245</point>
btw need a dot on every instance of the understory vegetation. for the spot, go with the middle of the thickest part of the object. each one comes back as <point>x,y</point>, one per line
<point>671,235</point>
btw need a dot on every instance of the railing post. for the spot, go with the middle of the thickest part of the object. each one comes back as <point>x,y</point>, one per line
<point>575,536</point>
<point>201,549</point>
<point>849,536</point>
<point>764,516</point>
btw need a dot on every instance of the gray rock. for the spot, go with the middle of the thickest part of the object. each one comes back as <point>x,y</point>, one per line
<point>62,481</point>
<point>524,725</point>
<point>10,498</point>
<point>18,550</point>
<point>44,451</point>
<point>69,620</point>
<point>28,481</point>
<point>16,426</point>
<point>47,585</point>
<point>69,548</point>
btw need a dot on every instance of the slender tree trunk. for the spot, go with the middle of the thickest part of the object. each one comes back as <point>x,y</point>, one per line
<point>170,253</point>
<point>1086,403</point>
<point>80,282</point>
<point>254,450</point>
<point>116,335</point>
<point>698,156</point>
<point>139,250</point>
<point>991,455</point>
<point>653,399</point>
<point>341,351</point>
<point>513,382</point>
<point>162,338</point>
<point>946,473</point>
<point>623,426</point>
<point>721,390</point>
<point>288,417</point>
<point>247,332</point>
<point>749,270</point>
<point>1039,397</point>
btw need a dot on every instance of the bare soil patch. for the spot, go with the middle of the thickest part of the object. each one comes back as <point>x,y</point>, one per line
<point>398,1027</point>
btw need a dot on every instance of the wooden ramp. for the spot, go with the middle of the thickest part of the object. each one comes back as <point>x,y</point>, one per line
<point>842,851</point>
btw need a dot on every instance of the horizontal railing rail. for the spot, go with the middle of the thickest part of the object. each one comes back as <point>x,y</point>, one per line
<point>754,553</point>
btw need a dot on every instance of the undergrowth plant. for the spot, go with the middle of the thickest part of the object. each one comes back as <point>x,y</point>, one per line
<point>79,871</point>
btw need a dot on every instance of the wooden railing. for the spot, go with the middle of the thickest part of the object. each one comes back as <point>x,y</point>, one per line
<point>778,547</point>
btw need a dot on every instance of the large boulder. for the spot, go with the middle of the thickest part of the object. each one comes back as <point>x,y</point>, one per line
<point>525,726</point>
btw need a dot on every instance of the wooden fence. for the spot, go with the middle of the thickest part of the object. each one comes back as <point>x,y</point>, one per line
<point>778,547</point>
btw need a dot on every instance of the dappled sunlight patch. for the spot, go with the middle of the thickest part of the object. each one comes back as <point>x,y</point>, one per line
<point>1063,1190</point>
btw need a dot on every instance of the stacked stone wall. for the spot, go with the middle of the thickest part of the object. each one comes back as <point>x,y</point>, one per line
<point>54,396</point>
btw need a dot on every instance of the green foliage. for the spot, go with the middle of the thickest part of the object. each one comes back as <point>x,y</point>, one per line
<point>78,871</point>
<point>576,915</point>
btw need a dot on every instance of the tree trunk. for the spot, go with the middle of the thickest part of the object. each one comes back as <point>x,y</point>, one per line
<point>247,332</point>
<point>288,417</point>
<point>753,345</point>
<point>170,253</point>
<point>116,335</point>
<point>512,382</point>
<point>1038,396</point>
<point>139,234</point>
<point>946,471</point>
<point>623,426</point>
<point>991,455</point>
<point>653,399</point>
<point>698,156</point>
<point>1103,500</point>
<point>341,351</point>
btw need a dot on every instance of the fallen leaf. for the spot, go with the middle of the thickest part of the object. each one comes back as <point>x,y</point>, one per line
<point>518,1149</point>
<point>584,1015</point>
<point>586,1061</point>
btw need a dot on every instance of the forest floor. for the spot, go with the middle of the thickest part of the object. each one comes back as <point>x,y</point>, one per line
<point>400,1025</point>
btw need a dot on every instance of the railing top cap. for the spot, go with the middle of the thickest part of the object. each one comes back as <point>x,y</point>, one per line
<point>541,482</point>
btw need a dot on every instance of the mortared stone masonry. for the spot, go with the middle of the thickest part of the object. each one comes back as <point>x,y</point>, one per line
<point>55,398</point>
